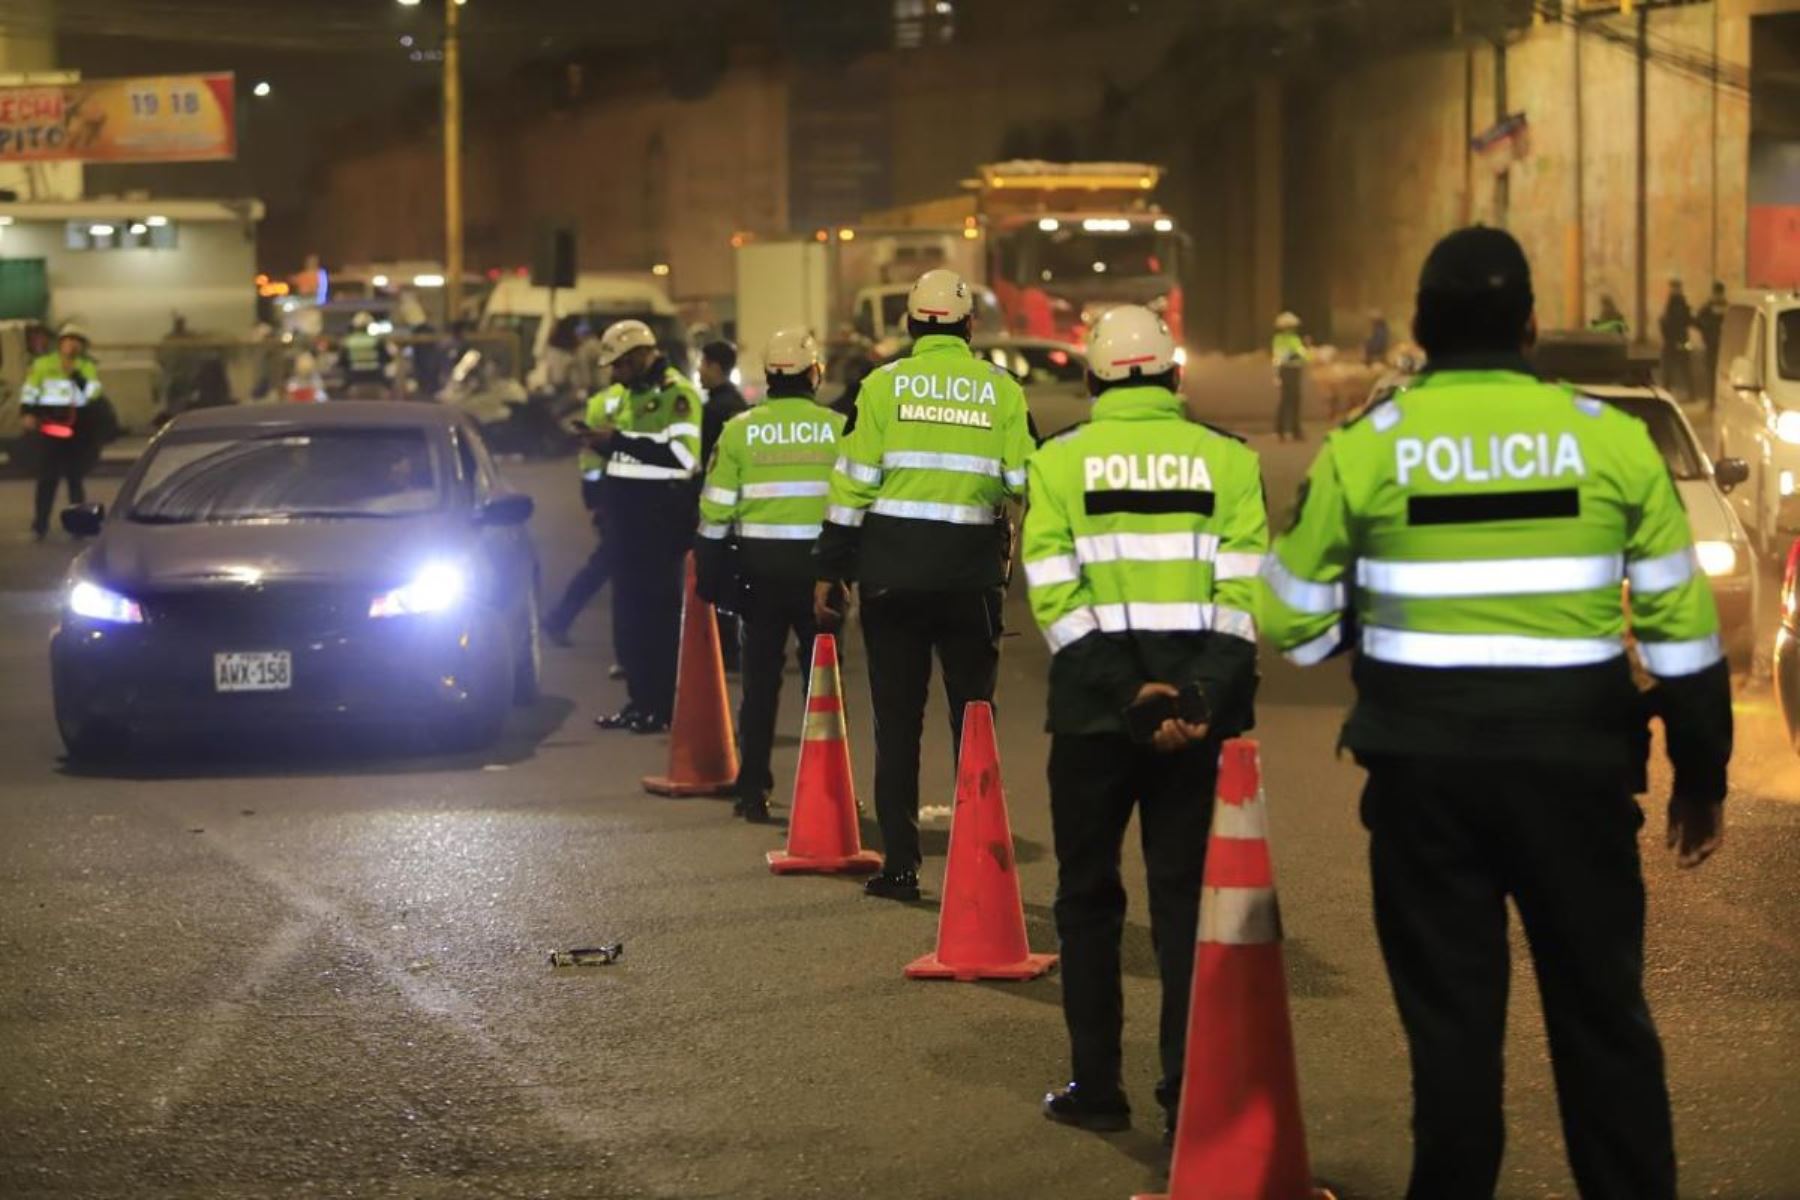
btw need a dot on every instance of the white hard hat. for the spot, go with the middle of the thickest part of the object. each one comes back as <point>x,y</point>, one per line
<point>71,330</point>
<point>621,338</point>
<point>1287,320</point>
<point>940,297</point>
<point>1129,341</point>
<point>791,352</point>
<point>361,320</point>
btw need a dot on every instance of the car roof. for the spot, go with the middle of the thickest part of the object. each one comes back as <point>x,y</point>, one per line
<point>1774,299</point>
<point>335,414</point>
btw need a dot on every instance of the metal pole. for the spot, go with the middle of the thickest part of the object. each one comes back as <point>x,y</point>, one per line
<point>453,199</point>
<point>1502,181</point>
<point>1642,319</point>
<point>1577,298</point>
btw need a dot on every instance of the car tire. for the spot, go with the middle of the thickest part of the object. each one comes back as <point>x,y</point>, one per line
<point>528,660</point>
<point>86,740</point>
<point>481,723</point>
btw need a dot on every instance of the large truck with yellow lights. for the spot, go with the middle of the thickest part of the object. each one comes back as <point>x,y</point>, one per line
<point>1063,242</point>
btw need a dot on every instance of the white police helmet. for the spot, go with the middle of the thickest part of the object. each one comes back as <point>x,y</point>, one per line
<point>791,352</point>
<point>940,297</point>
<point>1129,341</point>
<point>621,338</point>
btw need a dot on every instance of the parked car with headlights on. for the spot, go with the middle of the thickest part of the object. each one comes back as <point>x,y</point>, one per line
<point>277,566</point>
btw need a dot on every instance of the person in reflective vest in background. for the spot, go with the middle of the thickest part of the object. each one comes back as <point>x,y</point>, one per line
<point>1143,540</point>
<point>1467,539</point>
<point>760,513</point>
<point>916,521</point>
<point>53,403</point>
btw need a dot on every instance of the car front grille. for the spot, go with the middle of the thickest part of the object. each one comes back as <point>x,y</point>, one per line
<point>234,611</point>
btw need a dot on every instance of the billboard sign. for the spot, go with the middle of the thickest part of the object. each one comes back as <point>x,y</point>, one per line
<point>152,118</point>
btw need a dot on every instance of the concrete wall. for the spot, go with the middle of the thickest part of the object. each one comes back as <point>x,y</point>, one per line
<point>646,179</point>
<point>1389,141</point>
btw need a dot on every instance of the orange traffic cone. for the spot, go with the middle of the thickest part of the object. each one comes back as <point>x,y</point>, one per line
<point>702,753</point>
<point>981,924</point>
<point>1239,1135</point>
<point>822,832</point>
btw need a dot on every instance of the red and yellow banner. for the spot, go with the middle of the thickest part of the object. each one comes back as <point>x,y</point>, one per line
<point>154,118</point>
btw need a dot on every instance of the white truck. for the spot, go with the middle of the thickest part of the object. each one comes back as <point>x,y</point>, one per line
<point>848,285</point>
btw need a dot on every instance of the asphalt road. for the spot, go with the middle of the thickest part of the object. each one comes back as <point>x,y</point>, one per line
<point>317,970</point>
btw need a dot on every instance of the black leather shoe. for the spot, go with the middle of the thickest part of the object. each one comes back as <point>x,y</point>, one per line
<point>625,718</point>
<point>1075,1106</point>
<point>903,886</point>
<point>649,723</point>
<point>757,812</point>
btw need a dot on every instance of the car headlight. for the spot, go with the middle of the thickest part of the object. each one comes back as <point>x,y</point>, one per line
<point>96,603</point>
<point>438,587</point>
<point>1717,558</point>
<point>1787,427</point>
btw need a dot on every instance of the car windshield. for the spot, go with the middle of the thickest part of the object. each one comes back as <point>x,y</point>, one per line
<point>1070,254</point>
<point>1787,344</point>
<point>1037,365</point>
<point>1667,431</point>
<point>213,476</point>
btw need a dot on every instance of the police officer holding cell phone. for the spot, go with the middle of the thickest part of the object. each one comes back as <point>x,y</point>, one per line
<point>1142,543</point>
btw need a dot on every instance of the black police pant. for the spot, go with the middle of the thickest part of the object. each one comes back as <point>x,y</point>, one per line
<point>901,631</point>
<point>1095,782</point>
<point>59,459</point>
<point>647,592</point>
<point>776,609</point>
<point>1287,409</point>
<point>1450,840</point>
<point>592,574</point>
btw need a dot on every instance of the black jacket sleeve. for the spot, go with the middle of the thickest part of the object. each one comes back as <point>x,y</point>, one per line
<point>1697,725</point>
<point>648,451</point>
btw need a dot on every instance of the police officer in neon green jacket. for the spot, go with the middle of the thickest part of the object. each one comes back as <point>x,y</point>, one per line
<point>602,412</point>
<point>1142,546</point>
<point>916,520</point>
<point>1469,539</point>
<point>652,450</point>
<point>760,513</point>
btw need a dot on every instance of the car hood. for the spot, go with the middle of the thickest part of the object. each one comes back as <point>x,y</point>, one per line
<point>378,551</point>
<point>1709,515</point>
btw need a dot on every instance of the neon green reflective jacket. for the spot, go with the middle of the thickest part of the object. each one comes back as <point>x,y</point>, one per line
<point>659,432</point>
<point>602,410</point>
<point>767,485</point>
<point>48,386</point>
<point>1288,346</point>
<point>1142,547</point>
<point>1471,537</point>
<point>940,443</point>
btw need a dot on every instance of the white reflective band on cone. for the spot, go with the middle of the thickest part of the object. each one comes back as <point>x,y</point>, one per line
<point>843,514</point>
<point>778,533</point>
<point>716,532</point>
<point>1146,547</point>
<point>1301,595</point>
<point>720,495</point>
<point>1663,572</point>
<point>1248,822</point>
<point>1239,916</point>
<point>1237,564</point>
<point>929,510</point>
<point>1681,658</point>
<point>1413,649</point>
<point>1043,572</point>
<point>1070,628</point>
<point>1490,577</point>
<point>778,491</point>
<point>1308,654</point>
<point>858,471</point>
<point>962,464</point>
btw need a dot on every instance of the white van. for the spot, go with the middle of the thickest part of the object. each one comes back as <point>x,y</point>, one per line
<point>521,307</point>
<point>1758,418</point>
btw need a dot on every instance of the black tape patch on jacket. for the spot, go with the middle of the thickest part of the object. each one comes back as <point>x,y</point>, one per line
<point>1477,507</point>
<point>1127,501</point>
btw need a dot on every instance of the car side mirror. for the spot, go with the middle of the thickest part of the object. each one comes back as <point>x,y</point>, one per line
<point>510,508</point>
<point>83,520</point>
<point>1729,472</point>
<point>1743,375</point>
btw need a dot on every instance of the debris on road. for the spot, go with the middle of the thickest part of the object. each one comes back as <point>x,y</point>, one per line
<point>588,956</point>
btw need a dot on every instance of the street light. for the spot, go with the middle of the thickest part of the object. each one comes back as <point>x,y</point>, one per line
<point>262,88</point>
